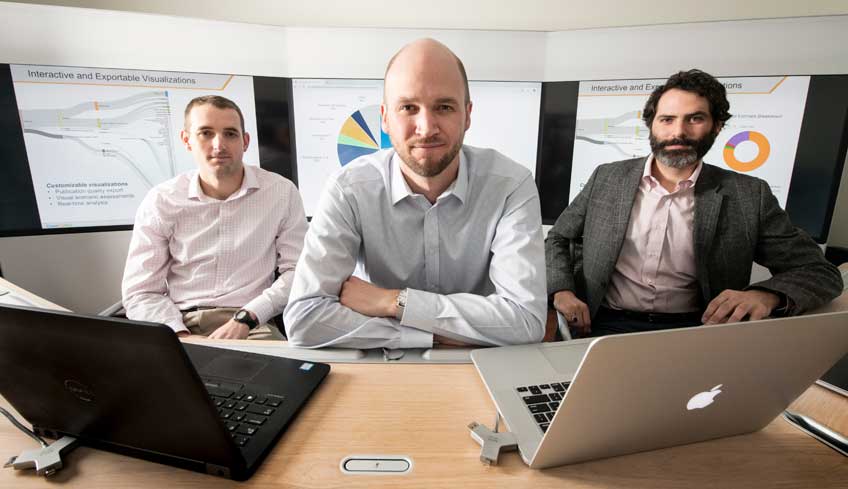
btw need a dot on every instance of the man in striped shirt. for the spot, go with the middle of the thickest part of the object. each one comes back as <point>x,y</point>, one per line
<point>206,243</point>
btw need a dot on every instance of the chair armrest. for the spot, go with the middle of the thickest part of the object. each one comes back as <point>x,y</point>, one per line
<point>116,309</point>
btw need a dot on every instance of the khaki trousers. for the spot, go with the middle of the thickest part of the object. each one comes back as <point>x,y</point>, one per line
<point>205,321</point>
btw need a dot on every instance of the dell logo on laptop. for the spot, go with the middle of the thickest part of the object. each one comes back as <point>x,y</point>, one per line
<point>79,390</point>
<point>703,399</point>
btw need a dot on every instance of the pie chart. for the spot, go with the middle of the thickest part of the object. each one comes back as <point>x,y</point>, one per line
<point>361,135</point>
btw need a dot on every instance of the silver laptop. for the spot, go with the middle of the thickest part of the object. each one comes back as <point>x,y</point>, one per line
<point>586,399</point>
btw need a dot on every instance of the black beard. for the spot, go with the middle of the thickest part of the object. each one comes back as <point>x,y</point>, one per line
<point>682,158</point>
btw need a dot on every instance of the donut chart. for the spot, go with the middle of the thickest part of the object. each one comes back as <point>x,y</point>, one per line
<point>763,151</point>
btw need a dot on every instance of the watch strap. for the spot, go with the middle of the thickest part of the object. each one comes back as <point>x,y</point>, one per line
<point>400,302</point>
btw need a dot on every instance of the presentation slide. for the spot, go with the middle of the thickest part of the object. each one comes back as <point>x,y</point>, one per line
<point>760,139</point>
<point>98,140</point>
<point>338,120</point>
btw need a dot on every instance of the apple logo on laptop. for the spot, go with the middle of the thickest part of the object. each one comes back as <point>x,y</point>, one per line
<point>703,399</point>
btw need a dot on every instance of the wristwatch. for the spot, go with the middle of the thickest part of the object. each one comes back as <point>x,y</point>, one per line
<point>400,302</point>
<point>244,317</point>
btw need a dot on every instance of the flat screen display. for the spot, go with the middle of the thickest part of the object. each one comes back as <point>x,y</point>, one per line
<point>787,130</point>
<point>85,145</point>
<point>338,120</point>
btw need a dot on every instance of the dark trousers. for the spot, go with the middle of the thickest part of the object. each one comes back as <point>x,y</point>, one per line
<point>612,321</point>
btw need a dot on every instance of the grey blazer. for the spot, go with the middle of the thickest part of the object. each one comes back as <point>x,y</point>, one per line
<point>737,222</point>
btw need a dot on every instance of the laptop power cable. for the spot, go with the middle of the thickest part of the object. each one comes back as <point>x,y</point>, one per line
<point>46,460</point>
<point>491,442</point>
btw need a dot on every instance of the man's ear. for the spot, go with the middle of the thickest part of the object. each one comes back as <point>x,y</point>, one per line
<point>246,141</point>
<point>184,139</point>
<point>383,114</point>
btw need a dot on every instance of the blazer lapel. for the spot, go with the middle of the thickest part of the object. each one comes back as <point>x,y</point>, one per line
<point>625,194</point>
<point>707,209</point>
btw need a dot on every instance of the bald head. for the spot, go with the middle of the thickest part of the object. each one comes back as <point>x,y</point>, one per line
<point>424,55</point>
<point>426,108</point>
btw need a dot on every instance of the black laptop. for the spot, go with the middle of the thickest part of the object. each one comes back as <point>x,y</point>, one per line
<point>132,387</point>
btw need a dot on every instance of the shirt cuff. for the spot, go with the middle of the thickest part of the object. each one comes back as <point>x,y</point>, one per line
<point>415,338</point>
<point>177,326</point>
<point>262,307</point>
<point>420,310</point>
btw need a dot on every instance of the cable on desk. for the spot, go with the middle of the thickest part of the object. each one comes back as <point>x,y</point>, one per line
<point>23,428</point>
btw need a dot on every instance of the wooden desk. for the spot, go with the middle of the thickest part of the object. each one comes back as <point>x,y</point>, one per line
<point>35,300</point>
<point>421,411</point>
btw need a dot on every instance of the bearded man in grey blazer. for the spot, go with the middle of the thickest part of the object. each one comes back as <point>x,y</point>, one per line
<point>669,240</point>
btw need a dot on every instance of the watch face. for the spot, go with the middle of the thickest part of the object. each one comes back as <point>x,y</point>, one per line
<point>244,317</point>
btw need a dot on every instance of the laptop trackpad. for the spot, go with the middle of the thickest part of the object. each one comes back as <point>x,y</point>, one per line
<point>234,367</point>
<point>566,358</point>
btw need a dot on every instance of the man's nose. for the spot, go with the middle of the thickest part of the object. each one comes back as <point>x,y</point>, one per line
<point>678,129</point>
<point>426,124</point>
<point>681,129</point>
<point>217,142</point>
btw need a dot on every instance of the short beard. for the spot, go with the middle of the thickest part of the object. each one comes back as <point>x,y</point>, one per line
<point>428,171</point>
<point>682,158</point>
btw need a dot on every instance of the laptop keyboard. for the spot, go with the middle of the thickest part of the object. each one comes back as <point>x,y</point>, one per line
<point>244,413</point>
<point>543,401</point>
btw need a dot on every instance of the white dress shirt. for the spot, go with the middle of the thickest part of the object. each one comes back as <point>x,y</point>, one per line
<point>474,261</point>
<point>655,271</point>
<point>189,249</point>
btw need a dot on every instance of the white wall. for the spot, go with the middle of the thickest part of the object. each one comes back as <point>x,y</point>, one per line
<point>801,46</point>
<point>83,271</point>
<point>363,53</point>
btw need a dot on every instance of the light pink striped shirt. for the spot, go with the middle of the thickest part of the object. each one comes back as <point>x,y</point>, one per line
<point>189,249</point>
<point>655,271</point>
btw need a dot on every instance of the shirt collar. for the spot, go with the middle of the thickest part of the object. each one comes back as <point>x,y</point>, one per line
<point>400,189</point>
<point>649,179</point>
<point>460,185</point>
<point>194,190</point>
<point>250,181</point>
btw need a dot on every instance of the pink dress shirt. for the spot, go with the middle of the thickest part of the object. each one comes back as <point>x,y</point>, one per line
<point>189,249</point>
<point>655,271</point>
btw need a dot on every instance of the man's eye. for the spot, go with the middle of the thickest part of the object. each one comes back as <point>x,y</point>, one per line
<point>407,108</point>
<point>446,108</point>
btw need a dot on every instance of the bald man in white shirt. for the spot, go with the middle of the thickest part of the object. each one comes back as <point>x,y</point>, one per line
<point>430,242</point>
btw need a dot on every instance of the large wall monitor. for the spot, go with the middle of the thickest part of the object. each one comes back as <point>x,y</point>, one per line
<point>787,130</point>
<point>338,120</point>
<point>83,146</point>
<point>80,147</point>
